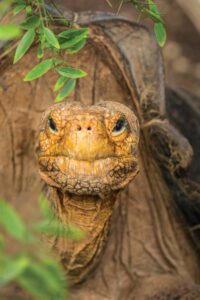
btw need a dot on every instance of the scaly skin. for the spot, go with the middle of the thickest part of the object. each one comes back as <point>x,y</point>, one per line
<point>86,155</point>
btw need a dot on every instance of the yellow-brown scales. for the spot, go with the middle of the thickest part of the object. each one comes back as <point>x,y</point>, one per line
<point>86,155</point>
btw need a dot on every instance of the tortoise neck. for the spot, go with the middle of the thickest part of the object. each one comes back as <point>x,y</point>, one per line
<point>91,214</point>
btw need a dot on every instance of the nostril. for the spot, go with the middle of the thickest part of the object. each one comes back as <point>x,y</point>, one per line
<point>89,128</point>
<point>79,128</point>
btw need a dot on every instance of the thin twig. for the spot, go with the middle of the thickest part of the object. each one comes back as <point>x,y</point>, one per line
<point>45,13</point>
<point>120,6</point>
<point>109,3</point>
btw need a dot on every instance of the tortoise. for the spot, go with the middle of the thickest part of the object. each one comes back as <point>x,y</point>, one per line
<point>147,248</point>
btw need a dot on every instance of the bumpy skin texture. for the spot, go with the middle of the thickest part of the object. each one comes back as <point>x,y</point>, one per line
<point>86,155</point>
<point>82,151</point>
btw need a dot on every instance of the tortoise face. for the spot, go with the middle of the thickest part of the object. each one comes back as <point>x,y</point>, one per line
<point>88,150</point>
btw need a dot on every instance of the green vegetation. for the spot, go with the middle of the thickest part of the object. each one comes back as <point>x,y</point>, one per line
<point>35,29</point>
<point>30,266</point>
<point>148,8</point>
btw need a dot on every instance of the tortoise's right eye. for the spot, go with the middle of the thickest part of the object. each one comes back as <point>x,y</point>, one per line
<point>120,127</point>
<point>52,124</point>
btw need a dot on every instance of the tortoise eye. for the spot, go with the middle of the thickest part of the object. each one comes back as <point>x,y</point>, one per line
<point>52,124</point>
<point>120,126</point>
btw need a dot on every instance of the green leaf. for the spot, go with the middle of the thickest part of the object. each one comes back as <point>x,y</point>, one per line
<point>59,83</point>
<point>11,221</point>
<point>51,224</point>
<point>18,8</point>
<point>29,10</point>
<point>75,233</point>
<point>71,33</point>
<point>71,37</point>
<point>51,38</point>
<point>66,90</point>
<point>70,72</point>
<point>45,208</point>
<point>153,12</point>
<point>12,268</point>
<point>30,23</point>
<point>54,227</point>
<point>77,47</point>
<point>24,45</point>
<point>40,69</point>
<point>160,33</point>
<point>55,269</point>
<point>42,282</point>
<point>9,31</point>
<point>159,27</point>
<point>154,16</point>
<point>66,43</point>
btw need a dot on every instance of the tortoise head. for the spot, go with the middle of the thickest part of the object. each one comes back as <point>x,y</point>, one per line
<point>88,150</point>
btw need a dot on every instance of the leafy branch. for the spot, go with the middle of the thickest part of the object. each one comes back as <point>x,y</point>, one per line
<point>36,27</point>
<point>149,9</point>
<point>50,45</point>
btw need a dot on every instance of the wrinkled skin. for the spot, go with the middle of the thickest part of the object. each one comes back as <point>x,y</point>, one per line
<point>88,151</point>
<point>86,155</point>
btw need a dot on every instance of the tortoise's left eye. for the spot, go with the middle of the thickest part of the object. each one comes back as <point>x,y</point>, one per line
<point>120,126</point>
<point>52,124</point>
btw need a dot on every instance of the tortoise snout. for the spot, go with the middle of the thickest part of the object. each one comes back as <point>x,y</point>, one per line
<point>86,138</point>
<point>85,125</point>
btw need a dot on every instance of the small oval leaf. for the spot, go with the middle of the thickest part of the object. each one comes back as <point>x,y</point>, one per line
<point>66,90</point>
<point>70,72</point>
<point>12,268</point>
<point>30,23</point>
<point>53,227</point>
<point>66,43</point>
<point>18,8</point>
<point>77,47</point>
<point>29,10</point>
<point>71,33</point>
<point>11,221</point>
<point>39,70</point>
<point>59,83</point>
<point>51,38</point>
<point>160,33</point>
<point>24,45</point>
<point>43,282</point>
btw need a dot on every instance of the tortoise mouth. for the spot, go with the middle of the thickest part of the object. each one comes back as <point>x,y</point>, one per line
<point>82,177</point>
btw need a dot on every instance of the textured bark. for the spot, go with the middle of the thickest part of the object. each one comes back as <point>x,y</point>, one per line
<point>149,238</point>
